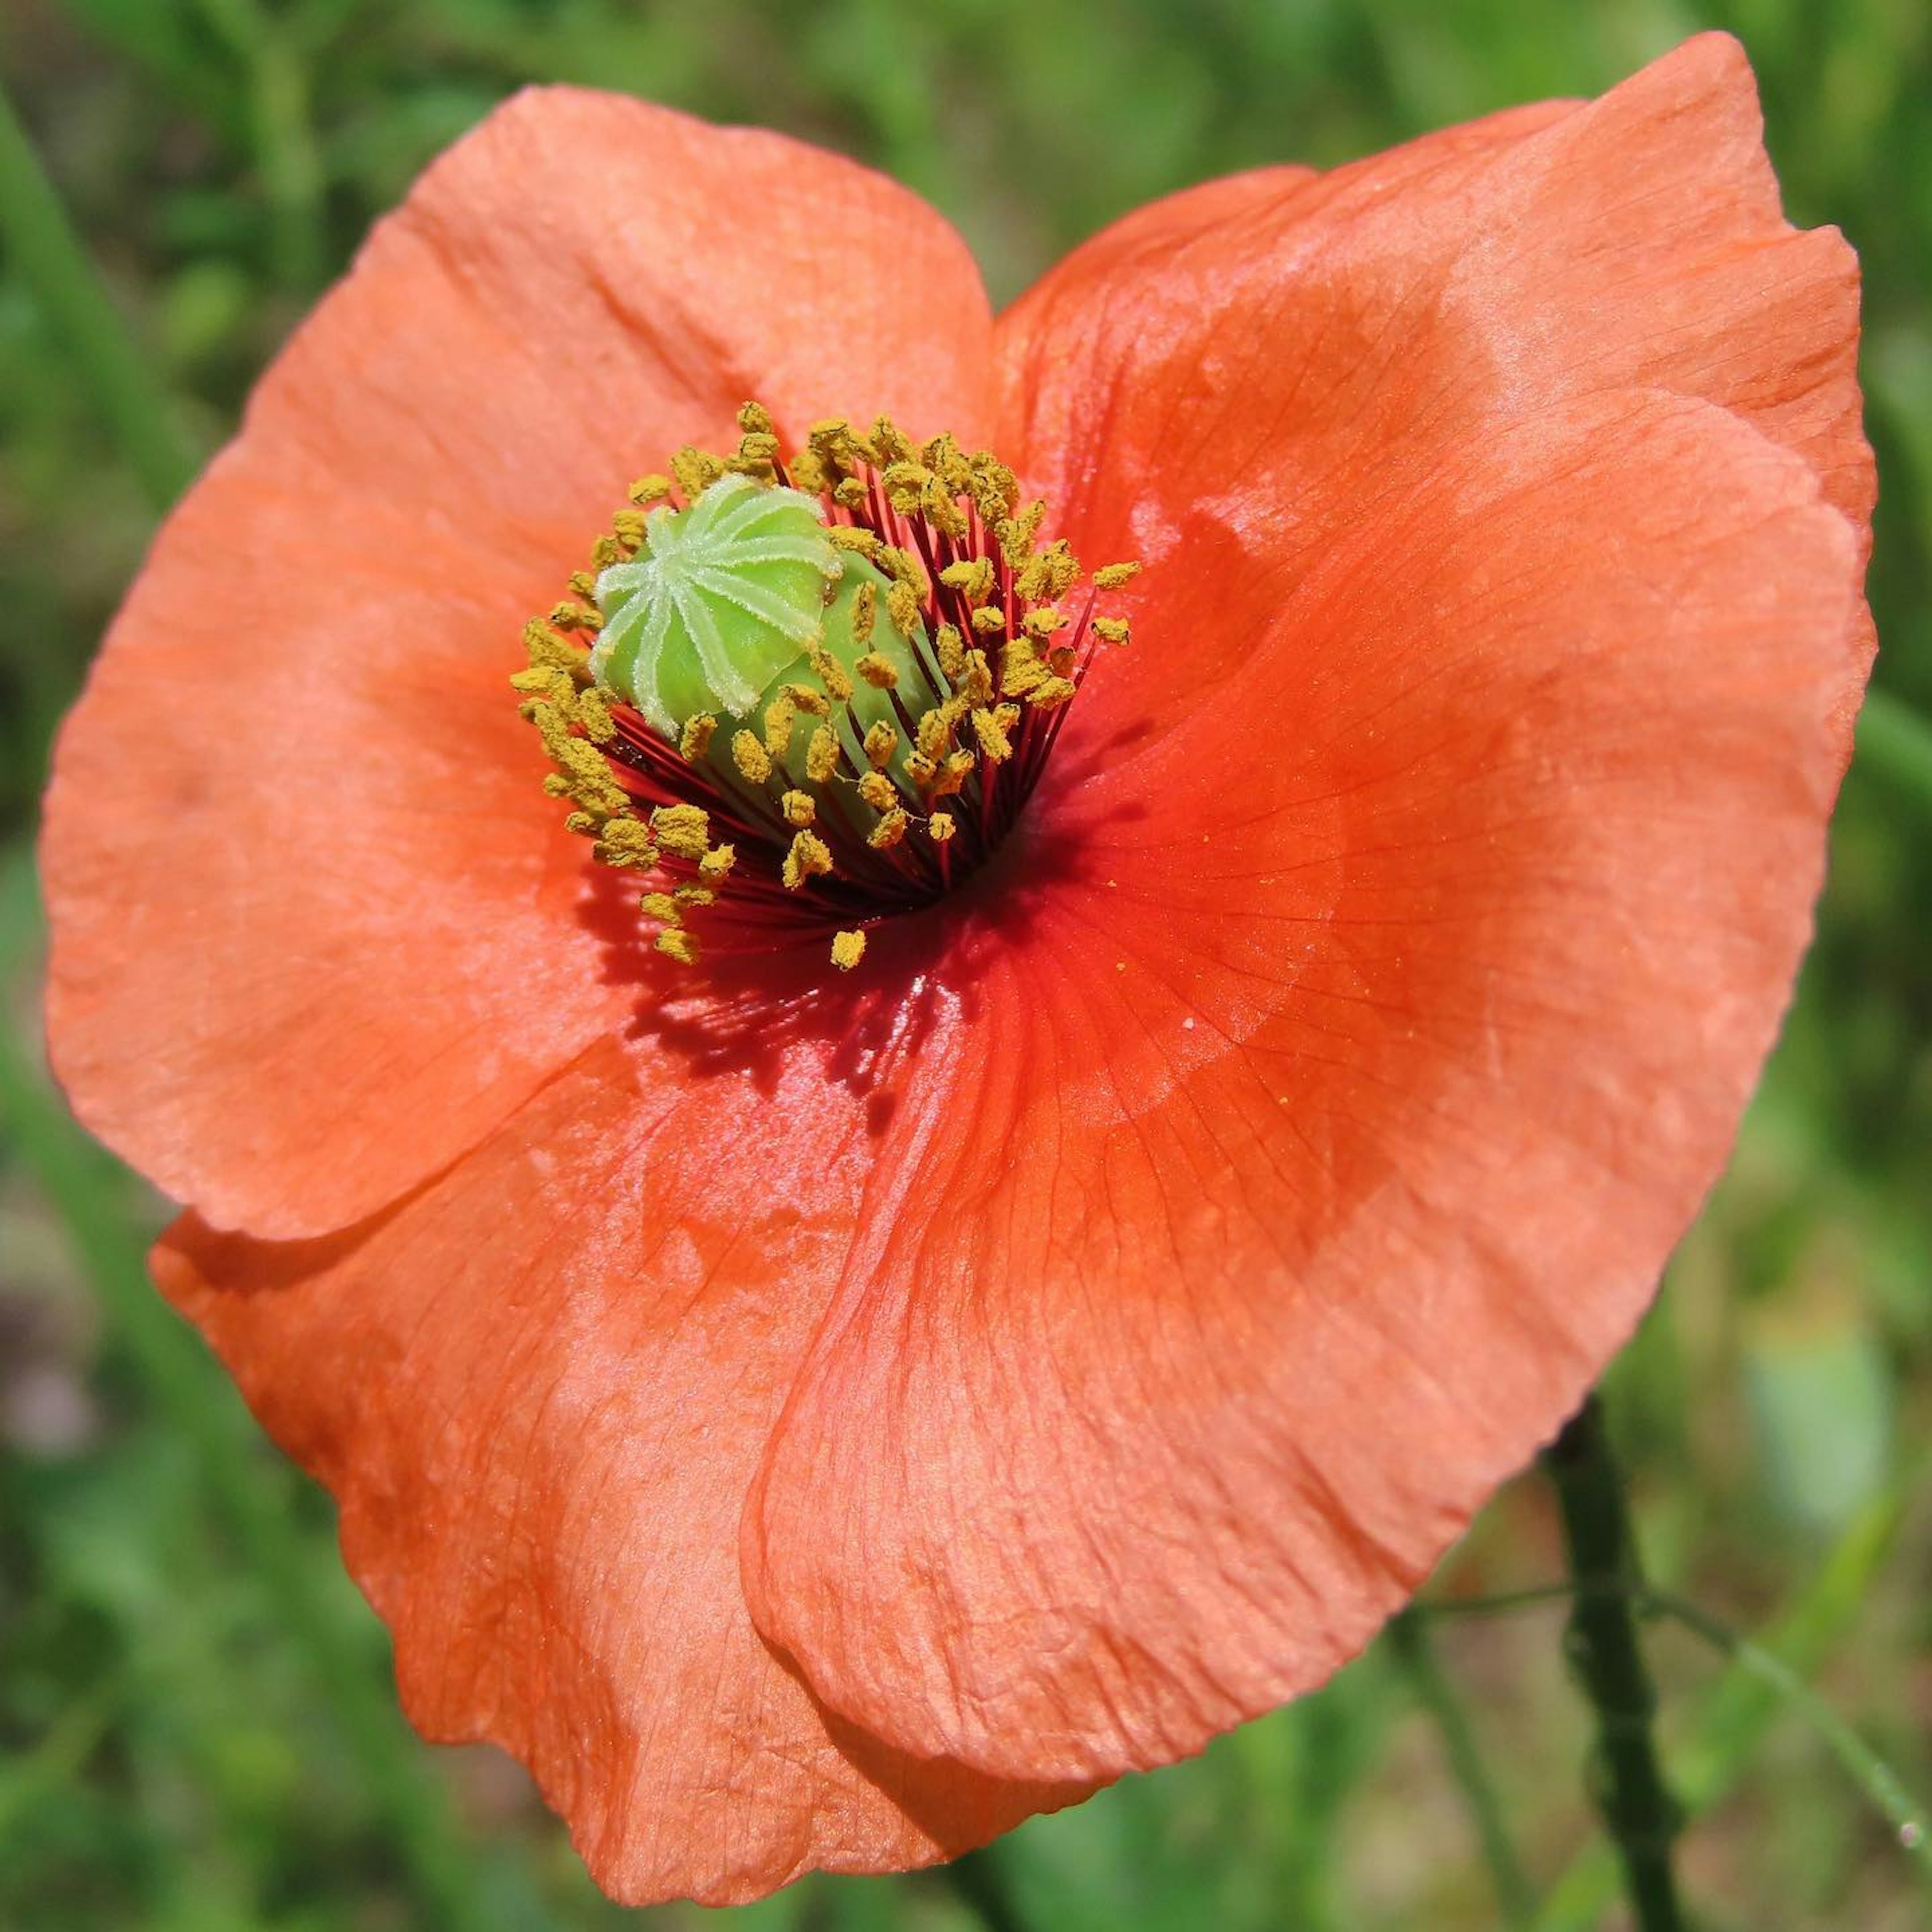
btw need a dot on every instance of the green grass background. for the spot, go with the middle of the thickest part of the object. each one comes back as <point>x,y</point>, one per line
<point>196,1733</point>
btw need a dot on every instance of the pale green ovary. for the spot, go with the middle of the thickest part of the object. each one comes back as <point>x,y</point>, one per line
<point>724,597</point>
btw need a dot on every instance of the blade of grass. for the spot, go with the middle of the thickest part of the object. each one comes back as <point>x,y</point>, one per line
<point>281,134</point>
<point>1896,743</point>
<point>58,1755</point>
<point>1408,1639</point>
<point>47,255</point>
<point>1880,1783</point>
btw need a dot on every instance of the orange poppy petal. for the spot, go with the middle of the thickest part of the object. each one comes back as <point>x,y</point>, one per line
<point>539,1390</point>
<point>315,930</point>
<point>1280,367</point>
<point>1141,239</point>
<point>1328,1130</point>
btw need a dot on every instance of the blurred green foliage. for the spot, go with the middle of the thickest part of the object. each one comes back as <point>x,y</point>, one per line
<point>195,1728</point>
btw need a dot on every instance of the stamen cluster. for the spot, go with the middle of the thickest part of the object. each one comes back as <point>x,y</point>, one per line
<point>890,757</point>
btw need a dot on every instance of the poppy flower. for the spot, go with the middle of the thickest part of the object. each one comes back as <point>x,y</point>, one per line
<point>816,1418</point>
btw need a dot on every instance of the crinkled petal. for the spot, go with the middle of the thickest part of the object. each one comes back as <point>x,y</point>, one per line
<point>1226,400</point>
<point>316,929</point>
<point>539,1389</point>
<point>1328,1129</point>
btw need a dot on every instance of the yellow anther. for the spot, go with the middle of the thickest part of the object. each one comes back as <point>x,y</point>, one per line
<point>855,538</point>
<point>583,583</point>
<point>778,716</point>
<point>951,649</point>
<point>717,862</point>
<point>1051,573</point>
<point>628,527</point>
<point>584,775</point>
<point>685,829</point>
<point>546,648</point>
<point>831,673</point>
<point>758,455</point>
<point>976,686</point>
<point>821,755</point>
<point>953,774</point>
<point>889,830</point>
<point>1015,534</point>
<point>879,672</point>
<point>809,857</point>
<point>696,470</point>
<point>809,699</point>
<point>973,580</point>
<point>941,827</point>
<point>593,714</point>
<point>991,731</point>
<point>994,489</point>
<point>920,769</point>
<point>1044,621</point>
<point>904,485</point>
<point>807,471</point>
<point>1020,670</point>
<point>545,681</point>
<point>551,728</point>
<point>847,949</point>
<point>678,945</point>
<point>865,612</point>
<point>902,605</point>
<point>754,419</point>
<point>935,726</point>
<point>1053,693</point>
<point>878,791</point>
<point>660,905</point>
<point>1062,568</point>
<point>881,742</point>
<point>798,808</point>
<point>750,757</point>
<point>1115,576</point>
<point>936,504</point>
<point>901,566</point>
<point>651,489</point>
<point>695,739</point>
<point>585,824</point>
<point>569,616</point>
<point>892,447</point>
<point>943,456</point>
<point>988,619</point>
<point>626,842</point>
<point>1112,630</point>
<point>695,895</point>
<point>851,493</point>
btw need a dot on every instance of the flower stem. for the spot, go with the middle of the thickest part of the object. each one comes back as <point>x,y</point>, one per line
<point>1732,1720</point>
<point>1641,1817</point>
<point>1409,1639</point>
<point>50,260</point>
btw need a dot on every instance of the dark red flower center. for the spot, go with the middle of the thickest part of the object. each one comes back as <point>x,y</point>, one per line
<point>811,692</point>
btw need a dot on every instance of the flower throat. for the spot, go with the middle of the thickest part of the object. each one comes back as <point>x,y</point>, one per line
<point>811,692</point>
